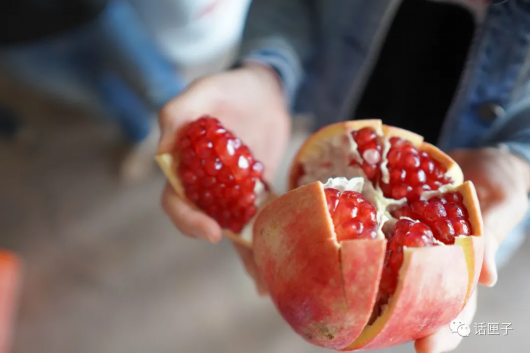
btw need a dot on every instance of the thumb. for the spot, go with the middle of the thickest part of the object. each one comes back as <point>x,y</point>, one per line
<point>488,275</point>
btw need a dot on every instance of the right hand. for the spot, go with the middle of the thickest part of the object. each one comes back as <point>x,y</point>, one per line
<point>248,101</point>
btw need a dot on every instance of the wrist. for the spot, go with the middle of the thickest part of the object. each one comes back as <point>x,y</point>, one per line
<point>264,72</point>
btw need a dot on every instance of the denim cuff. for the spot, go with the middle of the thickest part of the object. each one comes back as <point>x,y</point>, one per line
<point>280,56</point>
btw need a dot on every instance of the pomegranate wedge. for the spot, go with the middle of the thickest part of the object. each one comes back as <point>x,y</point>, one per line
<point>215,172</point>
<point>379,241</point>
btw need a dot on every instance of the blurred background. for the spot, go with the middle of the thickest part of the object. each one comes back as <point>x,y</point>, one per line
<point>103,268</point>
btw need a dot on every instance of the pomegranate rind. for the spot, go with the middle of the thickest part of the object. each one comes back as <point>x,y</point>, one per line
<point>392,131</point>
<point>473,246</point>
<point>313,142</point>
<point>429,295</point>
<point>362,266</point>
<point>297,253</point>
<point>168,162</point>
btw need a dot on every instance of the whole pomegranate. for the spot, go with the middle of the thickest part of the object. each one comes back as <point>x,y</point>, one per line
<point>379,241</point>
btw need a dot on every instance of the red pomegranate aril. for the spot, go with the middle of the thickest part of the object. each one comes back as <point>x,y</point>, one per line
<point>203,148</point>
<point>257,169</point>
<point>232,193</point>
<point>444,231</point>
<point>434,211</point>
<point>183,143</point>
<point>393,157</point>
<point>418,207</point>
<point>187,156</point>
<point>365,135</point>
<point>353,217</point>
<point>415,193</point>
<point>416,239</point>
<point>454,210</point>
<point>332,199</point>
<point>415,177</point>
<point>218,172</point>
<point>212,165</point>
<point>461,226</point>
<point>410,161</point>
<point>247,199</point>
<point>397,175</point>
<point>404,211</point>
<point>248,184</point>
<point>438,199</point>
<point>188,177</point>
<point>395,259</point>
<point>400,191</point>
<point>208,181</point>
<point>225,175</point>
<point>454,197</point>
<point>427,166</point>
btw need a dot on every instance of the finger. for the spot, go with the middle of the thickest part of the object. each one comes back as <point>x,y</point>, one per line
<point>177,112</point>
<point>445,340</point>
<point>189,221</point>
<point>247,256</point>
<point>488,275</point>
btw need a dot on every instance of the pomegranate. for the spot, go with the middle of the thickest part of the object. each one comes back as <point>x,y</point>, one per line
<point>378,242</point>
<point>215,172</point>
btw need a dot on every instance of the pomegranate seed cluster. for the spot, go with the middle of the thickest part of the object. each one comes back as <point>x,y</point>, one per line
<point>370,150</point>
<point>411,172</point>
<point>446,215</point>
<point>353,216</point>
<point>406,233</point>
<point>218,173</point>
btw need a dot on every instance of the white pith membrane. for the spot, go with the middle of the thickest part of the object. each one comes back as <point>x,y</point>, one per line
<point>261,197</point>
<point>329,163</point>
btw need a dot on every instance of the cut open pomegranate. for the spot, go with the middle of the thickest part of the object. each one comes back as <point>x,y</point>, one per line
<point>379,241</point>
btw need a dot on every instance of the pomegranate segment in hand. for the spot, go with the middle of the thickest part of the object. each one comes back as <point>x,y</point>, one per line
<point>216,172</point>
<point>387,251</point>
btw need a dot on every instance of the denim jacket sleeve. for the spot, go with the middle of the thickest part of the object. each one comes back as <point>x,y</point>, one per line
<point>278,33</point>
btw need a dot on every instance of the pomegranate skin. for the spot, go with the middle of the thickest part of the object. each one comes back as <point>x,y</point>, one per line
<point>300,259</point>
<point>298,256</point>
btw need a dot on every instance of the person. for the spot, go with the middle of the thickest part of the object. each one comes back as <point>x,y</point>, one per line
<point>319,57</point>
<point>103,47</point>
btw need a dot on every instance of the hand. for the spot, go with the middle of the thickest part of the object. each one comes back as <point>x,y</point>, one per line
<point>250,102</point>
<point>502,181</point>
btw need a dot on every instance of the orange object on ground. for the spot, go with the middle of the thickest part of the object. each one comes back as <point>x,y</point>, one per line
<point>10,274</point>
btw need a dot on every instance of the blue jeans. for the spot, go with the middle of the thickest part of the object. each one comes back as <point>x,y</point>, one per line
<point>112,58</point>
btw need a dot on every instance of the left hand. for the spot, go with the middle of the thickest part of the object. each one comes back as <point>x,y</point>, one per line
<point>502,180</point>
